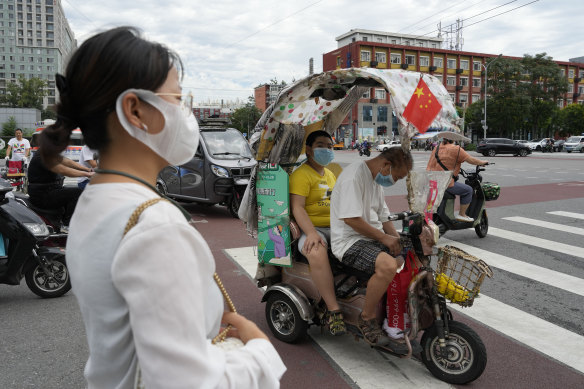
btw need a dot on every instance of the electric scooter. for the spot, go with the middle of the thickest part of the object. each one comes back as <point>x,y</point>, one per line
<point>444,216</point>
<point>23,253</point>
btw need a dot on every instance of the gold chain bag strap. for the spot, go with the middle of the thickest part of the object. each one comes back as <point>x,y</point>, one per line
<point>221,339</point>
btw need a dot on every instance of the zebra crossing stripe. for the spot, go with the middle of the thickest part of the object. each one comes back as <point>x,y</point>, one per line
<point>537,273</point>
<point>544,224</point>
<point>567,249</point>
<point>568,214</point>
<point>545,337</point>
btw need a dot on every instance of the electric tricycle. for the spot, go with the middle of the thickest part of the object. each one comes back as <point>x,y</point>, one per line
<point>451,350</point>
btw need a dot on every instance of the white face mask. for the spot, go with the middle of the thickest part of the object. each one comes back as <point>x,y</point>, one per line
<point>178,140</point>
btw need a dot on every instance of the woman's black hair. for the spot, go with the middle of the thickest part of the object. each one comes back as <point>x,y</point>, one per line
<point>311,138</point>
<point>101,69</point>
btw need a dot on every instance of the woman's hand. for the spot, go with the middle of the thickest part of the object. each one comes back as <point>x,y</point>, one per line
<point>243,328</point>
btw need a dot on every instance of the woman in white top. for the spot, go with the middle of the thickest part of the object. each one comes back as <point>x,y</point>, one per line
<point>148,298</point>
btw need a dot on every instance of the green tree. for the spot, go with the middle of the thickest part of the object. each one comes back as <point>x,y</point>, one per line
<point>571,120</point>
<point>9,127</point>
<point>48,113</point>
<point>25,93</point>
<point>246,117</point>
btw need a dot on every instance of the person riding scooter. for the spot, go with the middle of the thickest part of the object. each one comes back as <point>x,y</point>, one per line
<point>45,185</point>
<point>363,237</point>
<point>310,191</point>
<point>448,156</point>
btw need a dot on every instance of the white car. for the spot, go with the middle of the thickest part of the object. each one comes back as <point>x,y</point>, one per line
<point>574,143</point>
<point>537,144</point>
<point>385,146</point>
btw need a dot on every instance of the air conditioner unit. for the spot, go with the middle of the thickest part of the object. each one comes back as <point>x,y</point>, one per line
<point>404,66</point>
<point>433,68</point>
<point>459,87</point>
<point>577,80</point>
<point>577,94</point>
<point>374,101</point>
<point>458,71</point>
<point>373,64</point>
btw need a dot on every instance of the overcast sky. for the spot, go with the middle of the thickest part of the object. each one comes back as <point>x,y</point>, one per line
<point>230,46</point>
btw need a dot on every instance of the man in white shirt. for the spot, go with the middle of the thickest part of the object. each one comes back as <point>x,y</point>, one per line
<point>19,147</point>
<point>89,160</point>
<point>361,234</point>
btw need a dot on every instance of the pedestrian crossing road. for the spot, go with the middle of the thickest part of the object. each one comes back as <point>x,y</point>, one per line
<point>535,299</point>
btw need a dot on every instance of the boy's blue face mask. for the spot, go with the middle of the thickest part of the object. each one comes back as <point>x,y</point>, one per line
<point>323,156</point>
<point>385,181</point>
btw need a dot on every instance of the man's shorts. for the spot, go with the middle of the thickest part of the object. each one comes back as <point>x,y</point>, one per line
<point>324,232</point>
<point>362,255</point>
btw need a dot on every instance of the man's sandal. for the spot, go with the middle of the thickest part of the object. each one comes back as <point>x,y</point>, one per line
<point>335,323</point>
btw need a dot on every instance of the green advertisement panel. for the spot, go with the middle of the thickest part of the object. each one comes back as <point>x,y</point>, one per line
<point>273,216</point>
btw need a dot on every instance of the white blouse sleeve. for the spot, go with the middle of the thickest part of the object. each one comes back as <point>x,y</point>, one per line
<point>164,270</point>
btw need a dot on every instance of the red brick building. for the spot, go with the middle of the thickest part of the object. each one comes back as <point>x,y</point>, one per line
<point>266,94</point>
<point>462,73</point>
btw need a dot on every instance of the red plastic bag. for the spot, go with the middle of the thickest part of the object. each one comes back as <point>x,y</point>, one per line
<point>397,296</point>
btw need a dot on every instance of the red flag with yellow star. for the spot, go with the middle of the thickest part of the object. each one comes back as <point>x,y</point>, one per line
<point>422,108</point>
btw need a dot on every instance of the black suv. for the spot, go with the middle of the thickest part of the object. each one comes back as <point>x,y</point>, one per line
<point>494,146</point>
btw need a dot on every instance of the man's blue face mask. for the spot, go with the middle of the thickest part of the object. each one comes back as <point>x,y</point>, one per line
<point>385,181</point>
<point>323,156</point>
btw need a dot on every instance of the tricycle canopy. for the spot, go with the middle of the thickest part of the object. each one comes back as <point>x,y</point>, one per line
<point>322,101</point>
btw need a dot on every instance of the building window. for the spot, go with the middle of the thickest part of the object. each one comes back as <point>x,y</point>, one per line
<point>367,94</point>
<point>380,94</point>
<point>476,82</point>
<point>464,64</point>
<point>581,73</point>
<point>380,57</point>
<point>452,96</point>
<point>395,58</point>
<point>379,40</point>
<point>571,73</point>
<point>339,62</point>
<point>407,43</point>
<point>424,61</point>
<point>410,59</point>
<point>464,81</point>
<point>476,66</point>
<point>451,81</point>
<point>581,90</point>
<point>382,113</point>
<point>49,10</point>
<point>394,42</point>
<point>560,103</point>
<point>365,56</point>
<point>476,98</point>
<point>451,63</point>
<point>433,45</point>
<point>421,44</point>
<point>367,113</point>
<point>571,88</point>
<point>463,98</point>
<point>438,62</point>
<point>364,39</point>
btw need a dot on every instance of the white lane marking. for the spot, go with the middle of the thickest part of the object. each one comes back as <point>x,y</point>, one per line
<point>568,214</point>
<point>544,224</point>
<point>507,175</point>
<point>366,367</point>
<point>537,273</point>
<point>538,242</point>
<point>531,177</point>
<point>545,337</point>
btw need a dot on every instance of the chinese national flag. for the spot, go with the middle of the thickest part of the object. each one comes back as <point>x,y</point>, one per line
<point>422,108</point>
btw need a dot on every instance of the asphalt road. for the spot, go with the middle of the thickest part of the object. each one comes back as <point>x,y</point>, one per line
<point>529,316</point>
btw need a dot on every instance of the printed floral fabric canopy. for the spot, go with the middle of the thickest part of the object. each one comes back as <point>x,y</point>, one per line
<point>322,101</point>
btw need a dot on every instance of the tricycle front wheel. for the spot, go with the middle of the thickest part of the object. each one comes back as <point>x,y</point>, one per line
<point>465,356</point>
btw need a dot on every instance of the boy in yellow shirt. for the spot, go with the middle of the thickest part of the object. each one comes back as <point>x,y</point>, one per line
<point>311,186</point>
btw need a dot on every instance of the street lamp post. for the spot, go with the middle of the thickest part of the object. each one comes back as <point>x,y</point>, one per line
<point>485,112</point>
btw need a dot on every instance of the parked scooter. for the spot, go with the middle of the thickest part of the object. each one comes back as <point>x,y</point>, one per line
<point>51,217</point>
<point>24,235</point>
<point>451,350</point>
<point>444,216</point>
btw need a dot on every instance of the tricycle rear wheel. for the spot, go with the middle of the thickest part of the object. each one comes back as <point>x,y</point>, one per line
<point>466,355</point>
<point>284,319</point>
